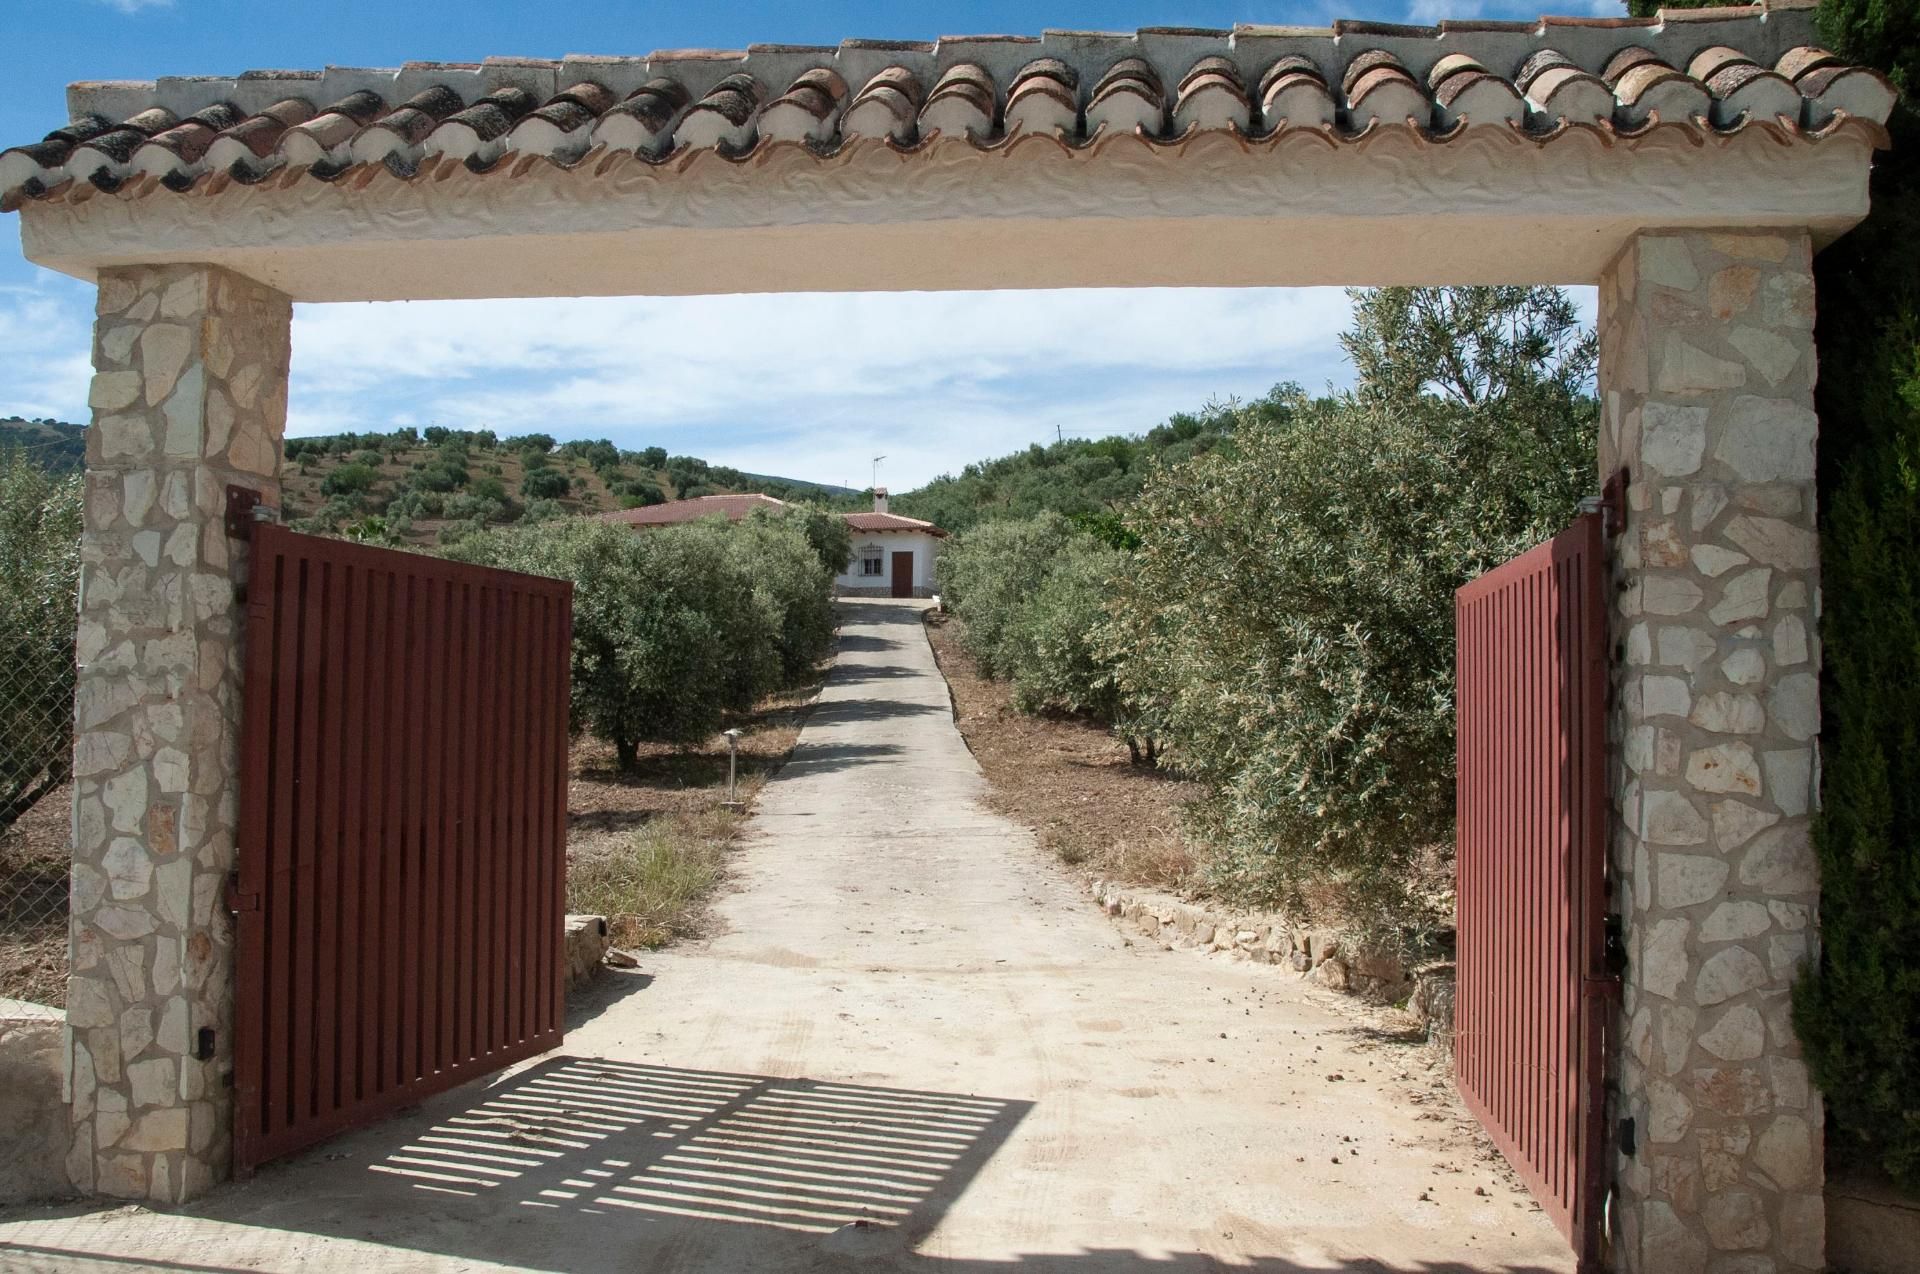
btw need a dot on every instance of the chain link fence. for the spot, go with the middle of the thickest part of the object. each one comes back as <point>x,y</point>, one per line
<point>36,753</point>
<point>39,535</point>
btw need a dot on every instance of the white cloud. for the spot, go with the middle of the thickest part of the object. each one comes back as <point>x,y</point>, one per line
<point>46,345</point>
<point>135,6</point>
<point>810,385</point>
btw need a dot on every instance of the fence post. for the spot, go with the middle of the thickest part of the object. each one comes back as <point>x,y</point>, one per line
<point>1706,375</point>
<point>189,395</point>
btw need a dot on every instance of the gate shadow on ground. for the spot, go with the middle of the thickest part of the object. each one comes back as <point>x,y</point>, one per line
<point>587,1165</point>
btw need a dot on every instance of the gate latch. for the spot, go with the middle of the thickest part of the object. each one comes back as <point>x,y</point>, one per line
<point>236,900</point>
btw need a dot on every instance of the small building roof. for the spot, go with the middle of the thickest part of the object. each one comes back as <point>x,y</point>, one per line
<point>890,522</point>
<point>735,507</point>
<point>674,512</point>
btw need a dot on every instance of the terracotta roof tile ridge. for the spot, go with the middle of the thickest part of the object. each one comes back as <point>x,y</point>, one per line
<point>1713,71</point>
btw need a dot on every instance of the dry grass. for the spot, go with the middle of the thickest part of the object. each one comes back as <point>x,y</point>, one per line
<point>648,849</point>
<point>1070,780</point>
<point>653,884</point>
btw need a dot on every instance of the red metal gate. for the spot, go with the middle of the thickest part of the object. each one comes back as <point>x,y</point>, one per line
<point>402,854</point>
<point>1532,979</point>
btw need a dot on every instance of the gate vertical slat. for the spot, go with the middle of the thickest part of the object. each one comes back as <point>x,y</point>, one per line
<point>452,814</point>
<point>486,837</point>
<point>431,744</point>
<point>496,999</point>
<point>523,828</point>
<point>250,877</point>
<point>560,666</point>
<point>392,832</point>
<point>401,873</point>
<point>536,897</point>
<point>1531,670</point>
<point>352,833</point>
<point>309,696</point>
<point>466,705</point>
<point>413,824</point>
<point>557,861</point>
<point>326,957</point>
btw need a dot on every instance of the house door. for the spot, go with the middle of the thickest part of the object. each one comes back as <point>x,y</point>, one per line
<point>903,574</point>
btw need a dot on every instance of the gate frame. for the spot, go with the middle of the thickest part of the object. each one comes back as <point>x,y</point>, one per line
<point>1580,626</point>
<point>248,894</point>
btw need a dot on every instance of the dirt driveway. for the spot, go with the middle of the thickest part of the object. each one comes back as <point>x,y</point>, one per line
<point>913,1045</point>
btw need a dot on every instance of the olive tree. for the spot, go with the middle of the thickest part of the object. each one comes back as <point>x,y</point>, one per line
<point>665,637</point>
<point>1288,616</point>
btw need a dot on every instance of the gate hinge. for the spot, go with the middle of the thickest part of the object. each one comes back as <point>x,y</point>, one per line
<point>235,899</point>
<point>245,510</point>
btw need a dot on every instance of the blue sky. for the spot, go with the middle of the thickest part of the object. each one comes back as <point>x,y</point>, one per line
<point>1006,368</point>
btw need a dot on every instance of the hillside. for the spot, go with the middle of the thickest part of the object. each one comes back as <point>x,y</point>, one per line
<point>419,488</point>
<point>1082,478</point>
<point>51,444</point>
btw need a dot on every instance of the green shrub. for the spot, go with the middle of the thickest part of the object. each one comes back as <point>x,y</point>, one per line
<point>827,534</point>
<point>778,557</point>
<point>1033,600</point>
<point>1288,618</point>
<point>637,493</point>
<point>1858,1009</point>
<point>349,479</point>
<point>544,484</point>
<point>467,505</point>
<point>440,474</point>
<point>40,543</point>
<point>988,574</point>
<point>667,634</point>
<point>1054,646</point>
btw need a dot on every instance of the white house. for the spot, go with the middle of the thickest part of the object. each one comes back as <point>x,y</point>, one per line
<point>893,556</point>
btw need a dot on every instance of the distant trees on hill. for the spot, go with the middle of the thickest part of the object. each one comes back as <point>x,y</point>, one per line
<point>1084,479</point>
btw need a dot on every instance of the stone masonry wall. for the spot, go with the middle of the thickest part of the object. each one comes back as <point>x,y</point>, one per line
<point>1707,373</point>
<point>189,395</point>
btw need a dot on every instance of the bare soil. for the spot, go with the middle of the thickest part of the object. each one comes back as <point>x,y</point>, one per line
<point>34,860</point>
<point>1069,779</point>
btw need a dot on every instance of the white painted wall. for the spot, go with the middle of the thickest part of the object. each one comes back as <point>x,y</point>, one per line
<point>925,548</point>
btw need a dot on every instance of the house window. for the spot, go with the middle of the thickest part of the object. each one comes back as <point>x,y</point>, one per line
<point>873,564</point>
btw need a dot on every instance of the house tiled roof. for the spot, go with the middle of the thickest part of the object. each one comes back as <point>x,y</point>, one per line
<point>889,522</point>
<point>735,507</point>
<point>1710,71</point>
<point>674,512</point>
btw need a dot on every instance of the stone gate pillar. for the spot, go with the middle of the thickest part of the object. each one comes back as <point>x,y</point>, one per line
<point>189,395</point>
<point>1706,375</point>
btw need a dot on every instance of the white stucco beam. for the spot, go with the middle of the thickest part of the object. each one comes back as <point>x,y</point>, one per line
<point>1490,208</point>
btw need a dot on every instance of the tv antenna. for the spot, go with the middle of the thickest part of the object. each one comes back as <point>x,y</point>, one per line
<point>876,470</point>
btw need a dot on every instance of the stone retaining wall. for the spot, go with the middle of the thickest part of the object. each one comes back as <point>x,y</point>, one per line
<point>586,946</point>
<point>34,1130</point>
<point>1263,937</point>
<point>1325,956</point>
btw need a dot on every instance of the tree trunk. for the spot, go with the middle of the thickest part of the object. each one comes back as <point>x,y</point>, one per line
<point>628,752</point>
